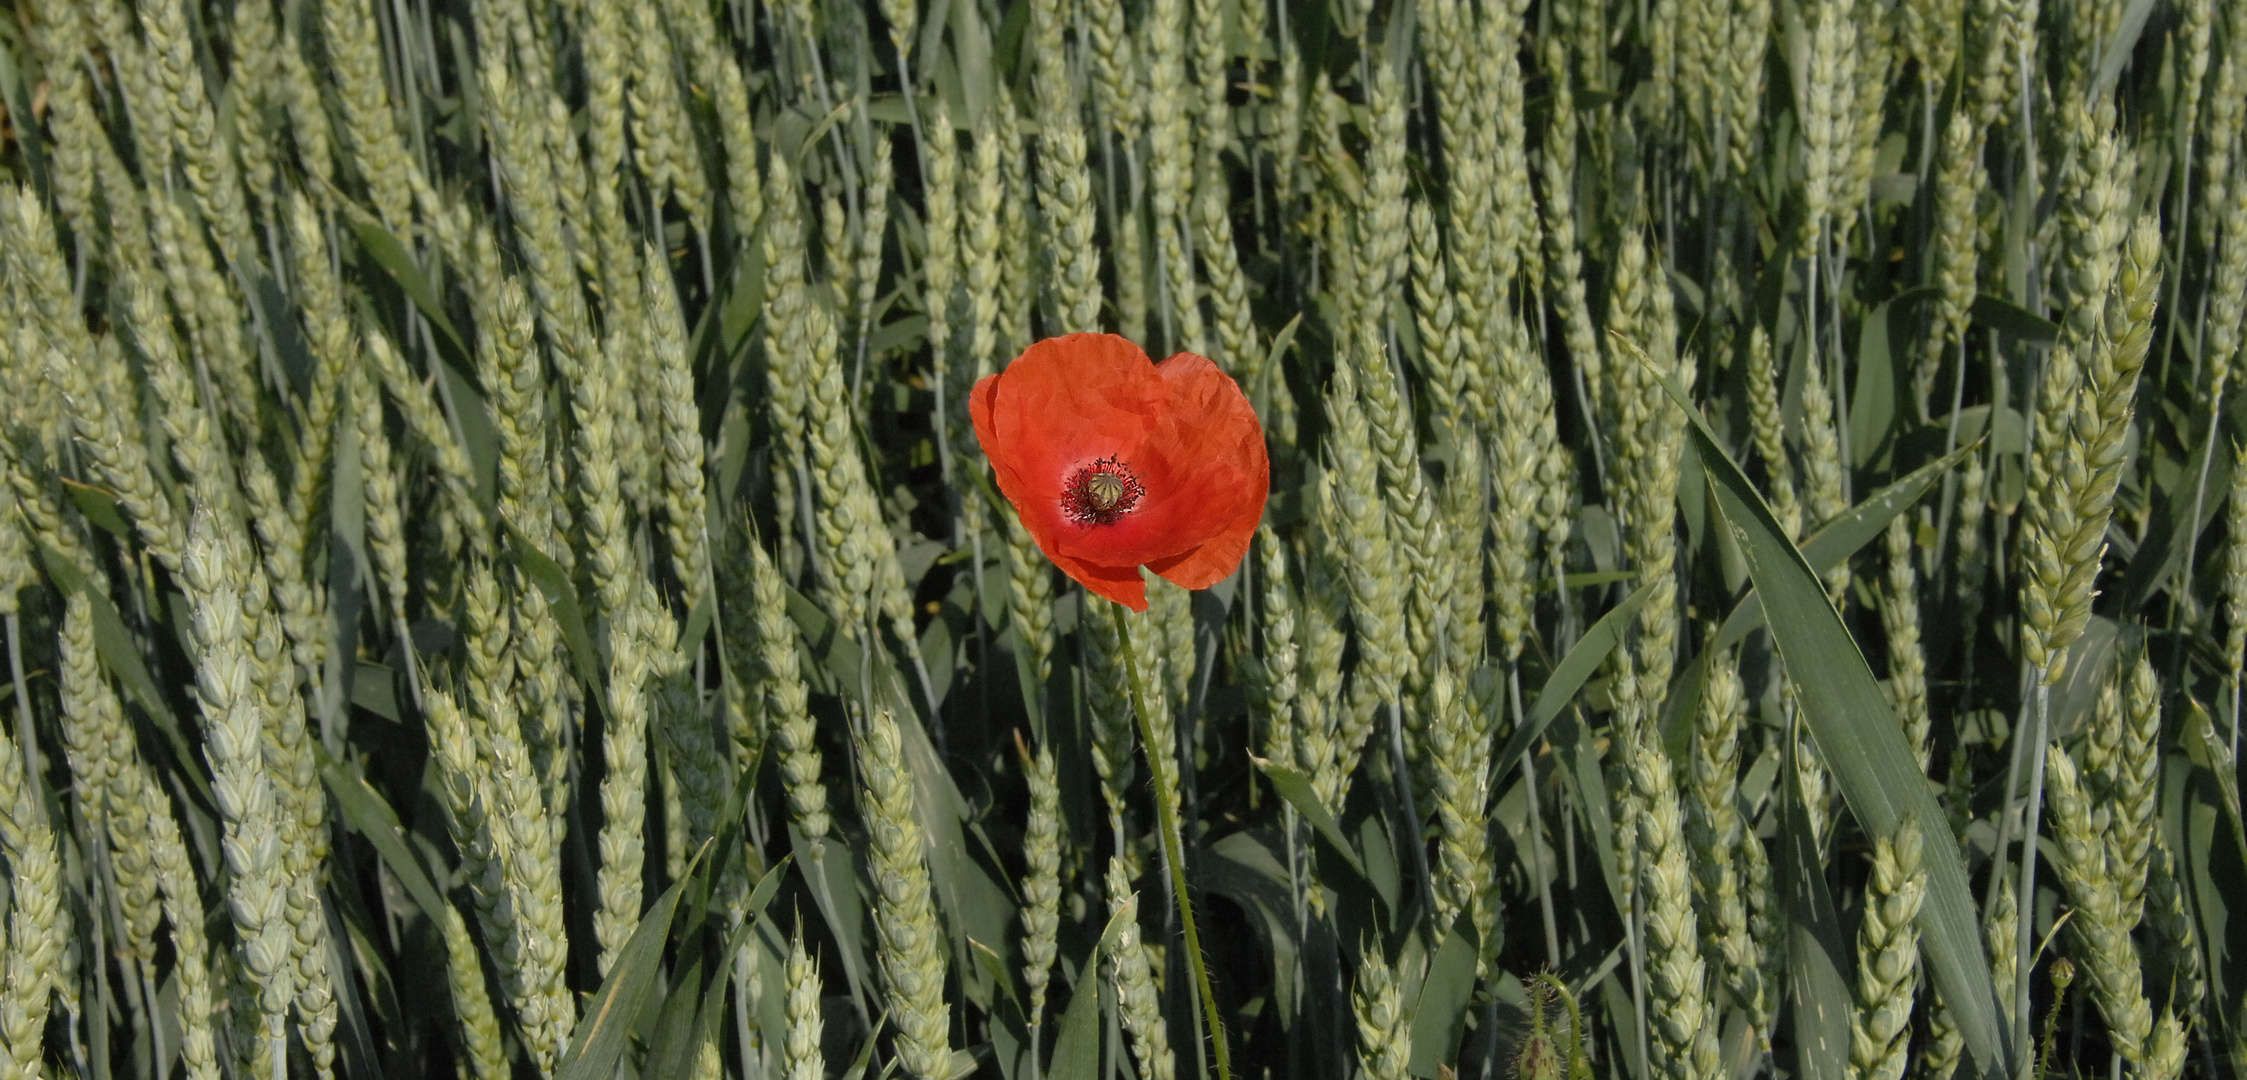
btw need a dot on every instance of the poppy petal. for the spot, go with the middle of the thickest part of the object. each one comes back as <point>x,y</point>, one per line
<point>1204,468</point>
<point>1182,433</point>
<point>1219,446</point>
<point>1121,584</point>
<point>1065,399</point>
<point>1213,561</point>
<point>1062,404</point>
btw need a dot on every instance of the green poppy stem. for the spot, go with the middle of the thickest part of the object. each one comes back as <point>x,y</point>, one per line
<point>1174,857</point>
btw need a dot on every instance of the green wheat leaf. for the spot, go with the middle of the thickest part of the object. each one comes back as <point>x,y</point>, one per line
<point>1860,738</point>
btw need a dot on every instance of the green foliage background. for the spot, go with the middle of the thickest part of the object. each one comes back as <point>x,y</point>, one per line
<point>498,579</point>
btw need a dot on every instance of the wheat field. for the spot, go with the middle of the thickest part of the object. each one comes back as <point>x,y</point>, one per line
<point>499,580</point>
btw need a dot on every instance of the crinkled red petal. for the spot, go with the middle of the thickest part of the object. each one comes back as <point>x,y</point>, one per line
<point>1182,427</point>
<point>1063,403</point>
<point>1121,584</point>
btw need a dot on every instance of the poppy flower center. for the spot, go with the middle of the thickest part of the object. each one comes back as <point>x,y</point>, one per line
<point>1101,492</point>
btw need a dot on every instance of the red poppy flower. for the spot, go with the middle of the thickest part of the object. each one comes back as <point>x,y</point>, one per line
<point>1116,463</point>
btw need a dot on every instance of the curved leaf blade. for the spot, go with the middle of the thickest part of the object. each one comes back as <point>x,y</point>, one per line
<point>1817,993</point>
<point>395,261</point>
<point>1296,789</point>
<point>1846,535</point>
<point>1859,735</point>
<point>1570,675</point>
<point>598,1041</point>
<point>364,810</point>
<point>552,580</point>
<point>1076,1055</point>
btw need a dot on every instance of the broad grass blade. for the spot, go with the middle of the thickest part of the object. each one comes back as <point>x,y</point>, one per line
<point>599,1039</point>
<point>1817,994</point>
<point>1568,676</point>
<point>1296,789</point>
<point>100,508</point>
<point>1242,869</point>
<point>1872,401</point>
<point>1281,341</point>
<point>2014,321</point>
<point>1439,1014</point>
<point>2175,527</point>
<point>2119,47</point>
<point>2209,751</point>
<point>1574,745</point>
<point>478,438</point>
<point>1076,1055</point>
<point>395,261</point>
<point>552,580</point>
<point>369,816</point>
<point>828,874</point>
<point>767,885</point>
<point>1846,535</point>
<point>1859,735</point>
<point>683,1021</point>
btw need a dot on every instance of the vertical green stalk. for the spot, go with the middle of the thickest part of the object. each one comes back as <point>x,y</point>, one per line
<point>2024,926</point>
<point>2235,588</point>
<point>1536,830</point>
<point>1174,858</point>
